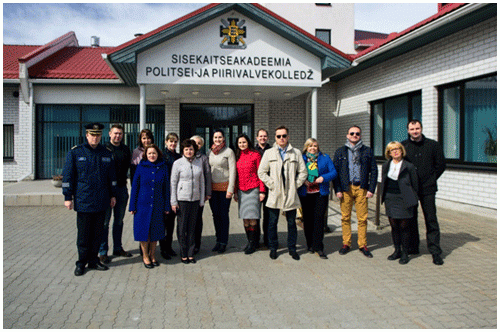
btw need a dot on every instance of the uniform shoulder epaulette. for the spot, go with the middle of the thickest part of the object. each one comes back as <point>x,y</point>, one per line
<point>74,147</point>
<point>109,149</point>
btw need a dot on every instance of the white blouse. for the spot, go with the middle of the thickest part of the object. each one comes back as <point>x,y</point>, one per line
<point>394,170</point>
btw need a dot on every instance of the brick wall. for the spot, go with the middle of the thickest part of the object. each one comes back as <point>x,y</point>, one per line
<point>465,54</point>
<point>17,112</point>
<point>291,114</point>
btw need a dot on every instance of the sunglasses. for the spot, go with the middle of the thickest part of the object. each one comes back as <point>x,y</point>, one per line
<point>280,136</point>
<point>355,134</point>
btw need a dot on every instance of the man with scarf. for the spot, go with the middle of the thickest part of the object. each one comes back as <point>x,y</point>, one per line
<point>355,183</point>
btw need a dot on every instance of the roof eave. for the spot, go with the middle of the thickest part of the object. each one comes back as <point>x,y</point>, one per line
<point>123,58</point>
<point>453,22</point>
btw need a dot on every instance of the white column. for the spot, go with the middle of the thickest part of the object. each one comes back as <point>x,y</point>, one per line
<point>142,107</point>
<point>314,113</point>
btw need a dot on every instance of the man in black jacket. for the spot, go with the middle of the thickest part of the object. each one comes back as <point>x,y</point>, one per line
<point>355,184</point>
<point>122,156</point>
<point>428,157</point>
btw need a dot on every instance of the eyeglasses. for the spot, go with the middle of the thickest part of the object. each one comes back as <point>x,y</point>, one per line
<point>355,134</point>
<point>280,136</point>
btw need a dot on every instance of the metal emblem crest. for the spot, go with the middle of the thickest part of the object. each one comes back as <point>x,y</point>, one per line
<point>233,33</point>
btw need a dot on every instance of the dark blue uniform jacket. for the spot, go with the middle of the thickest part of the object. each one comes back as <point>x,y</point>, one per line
<point>89,178</point>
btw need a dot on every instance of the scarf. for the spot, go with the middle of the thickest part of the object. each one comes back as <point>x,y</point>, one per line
<point>217,148</point>
<point>355,150</point>
<point>312,166</point>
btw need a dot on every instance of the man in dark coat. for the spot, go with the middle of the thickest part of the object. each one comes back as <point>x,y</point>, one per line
<point>121,156</point>
<point>261,147</point>
<point>428,157</point>
<point>170,155</point>
<point>355,184</point>
<point>89,187</point>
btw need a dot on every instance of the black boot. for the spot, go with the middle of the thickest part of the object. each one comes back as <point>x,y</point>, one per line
<point>248,238</point>
<point>404,258</point>
<point>252,234</point>
<point>395,255</point>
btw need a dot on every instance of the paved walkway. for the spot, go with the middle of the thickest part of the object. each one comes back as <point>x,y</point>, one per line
<point>234,290</point>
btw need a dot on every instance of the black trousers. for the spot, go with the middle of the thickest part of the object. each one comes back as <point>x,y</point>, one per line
<point>313,217</point>
<point>198,228</point>
<point>90,227</point>
<point>186,225</point>
<point>428,204</point>
<point>169,222</point>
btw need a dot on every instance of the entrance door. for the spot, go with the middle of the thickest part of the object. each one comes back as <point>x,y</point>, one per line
<point>203,120</point>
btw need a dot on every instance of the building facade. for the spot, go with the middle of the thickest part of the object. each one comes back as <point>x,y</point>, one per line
<point>242,67</point>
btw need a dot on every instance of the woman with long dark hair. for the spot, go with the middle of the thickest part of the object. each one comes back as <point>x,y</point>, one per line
<point>249,189</point>
<point>145,138</point>
<point>223,167</point>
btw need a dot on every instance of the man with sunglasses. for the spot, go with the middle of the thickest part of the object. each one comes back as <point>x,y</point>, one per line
<point>355,184</point>
<point>283,171</point>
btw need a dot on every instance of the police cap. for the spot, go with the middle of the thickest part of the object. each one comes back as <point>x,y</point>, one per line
<point>94,128</point>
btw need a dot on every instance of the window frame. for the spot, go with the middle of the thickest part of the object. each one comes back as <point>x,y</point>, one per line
<point>460,163</point>
<point>329,35</point>
<point>409,96</point>
<point>5,157</point>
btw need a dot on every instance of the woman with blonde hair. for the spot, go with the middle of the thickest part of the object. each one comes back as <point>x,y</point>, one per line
<point>314,193</point>
<point>399,193</point>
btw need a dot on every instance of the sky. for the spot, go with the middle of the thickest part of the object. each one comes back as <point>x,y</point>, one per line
<point>116,23</point>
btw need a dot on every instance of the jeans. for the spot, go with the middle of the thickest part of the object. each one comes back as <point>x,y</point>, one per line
<point>220,211</point>
<point>119,213</point>
<point>89,236</point>
<point>273,229</point>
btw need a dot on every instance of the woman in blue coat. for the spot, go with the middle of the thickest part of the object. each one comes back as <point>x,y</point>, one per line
<point>149,201</point>
<point>314,193</point>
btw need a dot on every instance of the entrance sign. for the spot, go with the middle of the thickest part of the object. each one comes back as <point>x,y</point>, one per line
<point>229,50</point>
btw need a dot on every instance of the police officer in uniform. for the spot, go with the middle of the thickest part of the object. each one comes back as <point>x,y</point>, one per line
<point>89,187</point>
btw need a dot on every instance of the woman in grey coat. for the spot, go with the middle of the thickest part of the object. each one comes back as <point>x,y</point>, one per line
<point>399,192</point>
<point>187,187</point>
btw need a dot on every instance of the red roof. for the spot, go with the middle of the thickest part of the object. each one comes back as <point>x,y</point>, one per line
<point>445,10</point>
<point>373,41</point>
<point>11,55</point>
<point>74,62</point>
<point>68,63</point>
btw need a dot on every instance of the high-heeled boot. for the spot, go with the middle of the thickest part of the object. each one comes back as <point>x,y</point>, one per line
<point>252,238</point>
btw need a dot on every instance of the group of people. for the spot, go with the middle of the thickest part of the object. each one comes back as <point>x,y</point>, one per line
<point>167,185</point>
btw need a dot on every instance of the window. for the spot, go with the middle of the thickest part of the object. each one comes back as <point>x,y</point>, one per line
<point>324,35</point>
<point>468,121</point>
<point>60,127</point>
<point>8,142</point>
<point>390,117</point>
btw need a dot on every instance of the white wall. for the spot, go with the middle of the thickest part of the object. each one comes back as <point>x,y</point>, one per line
<point>339,18</point>
<point>466,54</point>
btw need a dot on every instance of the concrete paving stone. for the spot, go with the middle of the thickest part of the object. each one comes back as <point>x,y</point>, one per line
<point>214,290</point>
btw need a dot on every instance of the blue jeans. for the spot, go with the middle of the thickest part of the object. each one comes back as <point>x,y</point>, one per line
<point>274,215</point>
<point>220,211</point>
<point>119,213</point>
